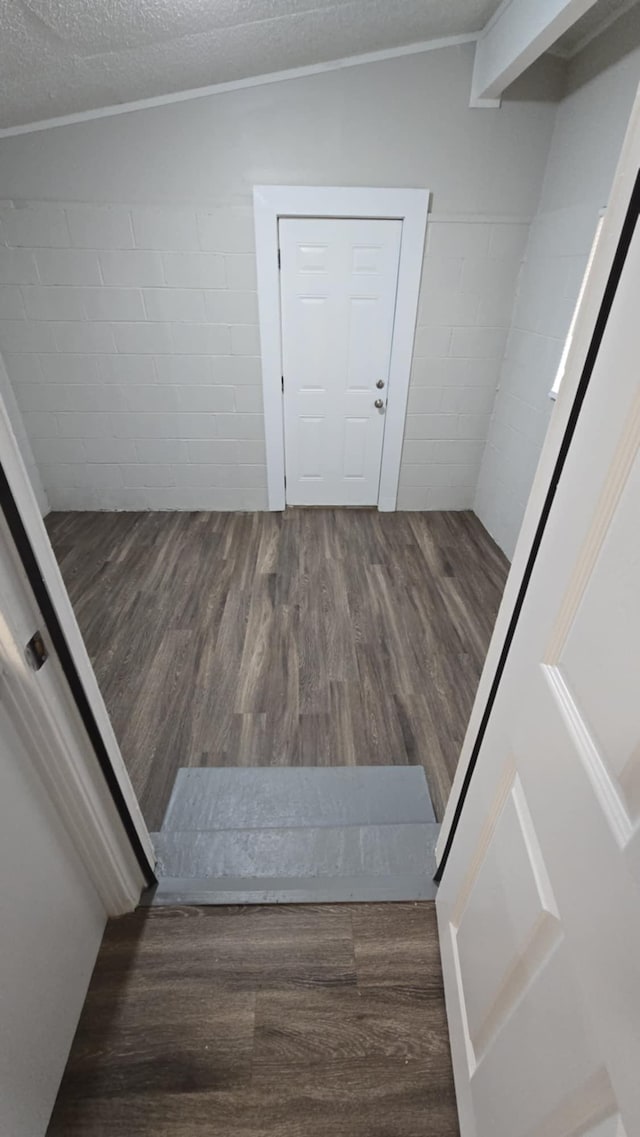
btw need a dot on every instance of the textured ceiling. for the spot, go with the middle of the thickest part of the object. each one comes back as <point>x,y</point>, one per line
<point>600,16</point>
<point>58,57</point>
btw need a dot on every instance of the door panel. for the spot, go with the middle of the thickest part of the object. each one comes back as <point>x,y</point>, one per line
<point>355,447</point>
<point>312,446</point>
<point>510,919</point>
<point>539,908</point>
<point>517,1099</point>
<point>599,675</point>
<point>365,351</point>
<point>338,290</point>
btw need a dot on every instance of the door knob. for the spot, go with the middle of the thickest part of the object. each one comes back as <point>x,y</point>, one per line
<point>380,384</point>
<point>379,403</point>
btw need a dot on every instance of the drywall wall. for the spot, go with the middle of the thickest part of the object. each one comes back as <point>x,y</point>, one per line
<point>590,125</point>
<point>130,327</point>
<point>50,932</point>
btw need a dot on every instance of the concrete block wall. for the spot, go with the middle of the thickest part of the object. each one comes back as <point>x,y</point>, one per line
<point>469,280</point>
<point>24,446</point>
<point>129,316</point>
<point>131,341</point>
<point>589,128</point>
<point>557,256</point>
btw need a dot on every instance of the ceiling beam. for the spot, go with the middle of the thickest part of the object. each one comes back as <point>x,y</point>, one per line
<point>518,33</point>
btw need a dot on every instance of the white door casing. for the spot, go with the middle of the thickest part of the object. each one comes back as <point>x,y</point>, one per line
<point>539,906</point>
<point>409,206</point>
<point>338,281</point>
<point>50,931</point>
<point>45,714</point>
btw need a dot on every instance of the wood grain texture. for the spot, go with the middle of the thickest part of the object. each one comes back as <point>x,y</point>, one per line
<point>305,1021</point>
<point>312,637</point>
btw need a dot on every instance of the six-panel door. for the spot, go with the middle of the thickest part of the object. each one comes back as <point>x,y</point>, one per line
<point>539,907</point>
<point>338,285</point>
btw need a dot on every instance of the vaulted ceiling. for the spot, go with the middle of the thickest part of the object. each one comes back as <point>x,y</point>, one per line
<point>67,57</point>
<point>59,57</point>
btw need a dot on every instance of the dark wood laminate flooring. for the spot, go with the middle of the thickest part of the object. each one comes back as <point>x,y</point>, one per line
<point>306,1021</point>
<point>312,637</point>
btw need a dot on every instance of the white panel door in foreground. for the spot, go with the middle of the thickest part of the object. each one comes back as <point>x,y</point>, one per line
<point>539,908</point>
<point>338,292</point>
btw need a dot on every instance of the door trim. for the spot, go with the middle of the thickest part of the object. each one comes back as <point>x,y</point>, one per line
<point>411,206</point>
<point>72,786</point>
<point>74,749</point>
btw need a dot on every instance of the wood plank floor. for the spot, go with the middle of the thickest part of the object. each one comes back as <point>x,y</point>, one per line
<point>312,637</point>
<point>306,1021</point>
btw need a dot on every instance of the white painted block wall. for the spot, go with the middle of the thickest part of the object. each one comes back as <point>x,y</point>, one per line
<point>24,445</point>
<point>589,129</point>
<point>130,337</point>
<point>469,280</point>
<point>557,254</point>
<point>128,319</point>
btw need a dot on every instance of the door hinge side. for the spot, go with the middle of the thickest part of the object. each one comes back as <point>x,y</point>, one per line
<point>282,383</point>
<point>279,260</point>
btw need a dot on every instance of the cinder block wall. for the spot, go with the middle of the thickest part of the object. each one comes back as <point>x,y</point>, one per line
<point>130,337</point>
<point>128,310</point>
<point>469,281</point>
<point>590,125</point>
<point>16,423</point>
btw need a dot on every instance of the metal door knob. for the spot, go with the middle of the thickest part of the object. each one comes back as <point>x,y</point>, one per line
<point>379,403</point>
<point>380,384</point>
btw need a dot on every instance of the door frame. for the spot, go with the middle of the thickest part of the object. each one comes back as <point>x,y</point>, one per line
<point>64,721</point>
<point>84,782</point>
<point>411,207</point>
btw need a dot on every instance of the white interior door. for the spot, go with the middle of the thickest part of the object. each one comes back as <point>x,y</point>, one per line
<point>539,907</point>
<point>338,283</point>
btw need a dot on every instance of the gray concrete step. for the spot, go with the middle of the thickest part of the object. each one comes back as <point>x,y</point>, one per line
<point>283,797</point>
<point>296,835</point>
